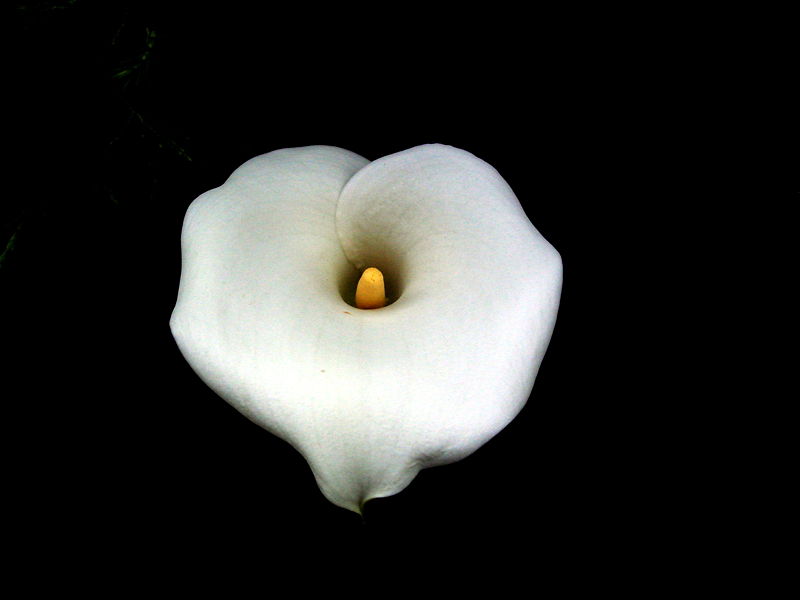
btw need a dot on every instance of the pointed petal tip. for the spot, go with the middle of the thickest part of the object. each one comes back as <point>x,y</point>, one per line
<point>353,494</point>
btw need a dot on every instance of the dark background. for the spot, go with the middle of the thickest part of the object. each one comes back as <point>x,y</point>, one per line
<point>122,113</point>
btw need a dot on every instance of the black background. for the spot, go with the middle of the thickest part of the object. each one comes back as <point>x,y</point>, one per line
<point>124,112</point>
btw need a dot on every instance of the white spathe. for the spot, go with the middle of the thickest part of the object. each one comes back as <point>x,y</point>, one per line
<point>369,397</point>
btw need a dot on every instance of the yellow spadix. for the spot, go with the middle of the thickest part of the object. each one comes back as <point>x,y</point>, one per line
<point>370,292</point>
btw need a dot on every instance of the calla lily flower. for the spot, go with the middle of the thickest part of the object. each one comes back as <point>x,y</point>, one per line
<point>267,315</point>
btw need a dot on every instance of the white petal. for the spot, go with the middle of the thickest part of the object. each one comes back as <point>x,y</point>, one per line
<point>368,397</point>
